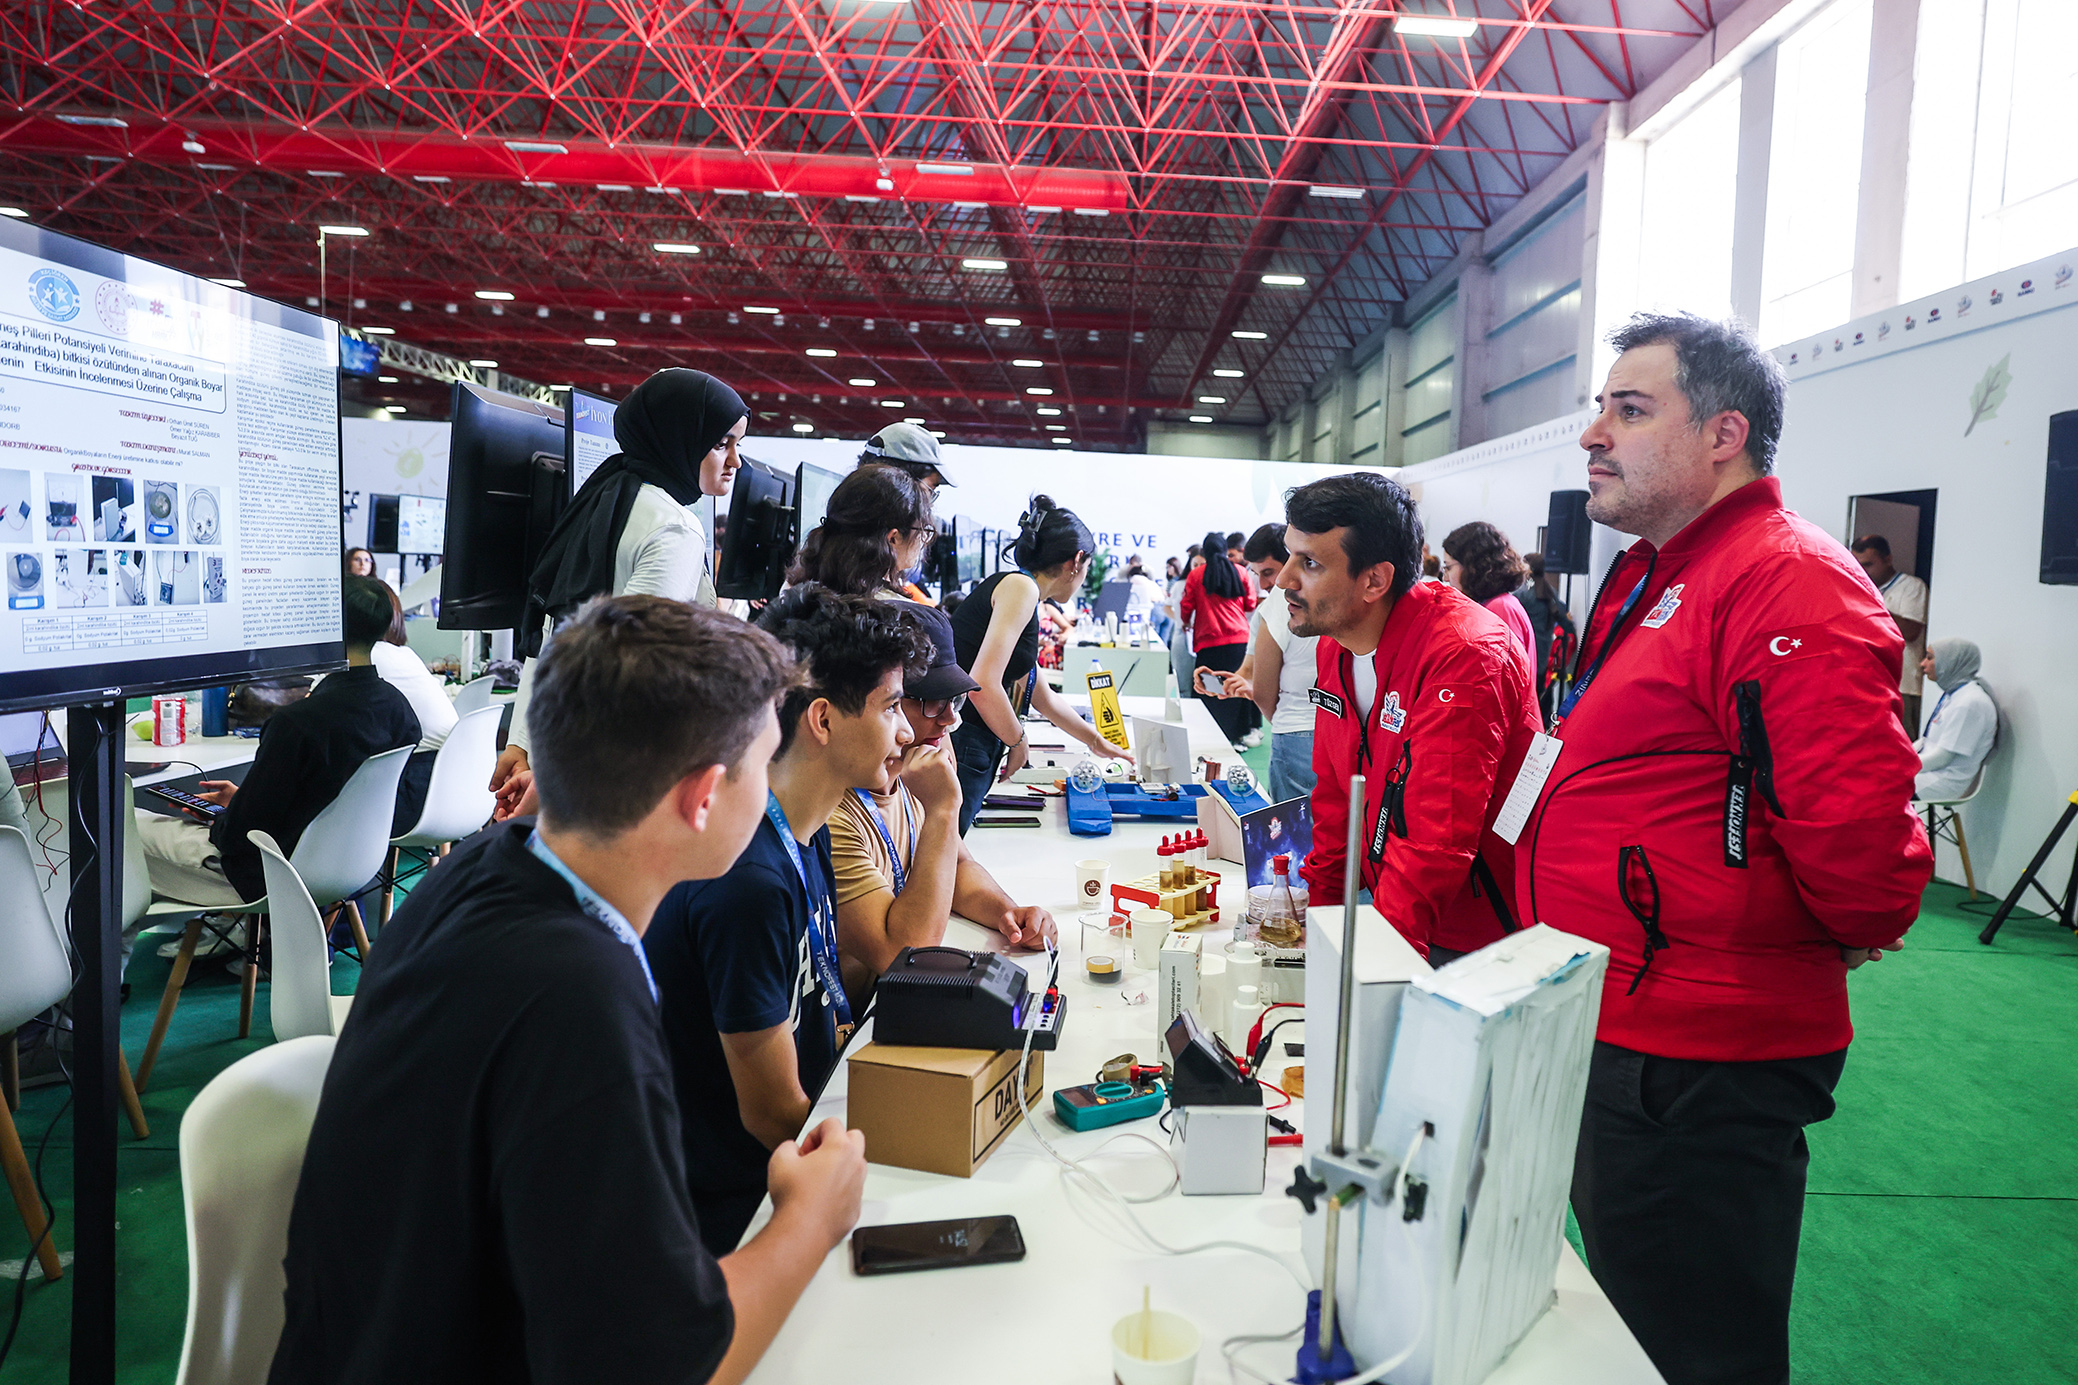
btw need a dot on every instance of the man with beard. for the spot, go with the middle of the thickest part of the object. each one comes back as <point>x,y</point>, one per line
<point>900,866</point>
<point>1422,691</point>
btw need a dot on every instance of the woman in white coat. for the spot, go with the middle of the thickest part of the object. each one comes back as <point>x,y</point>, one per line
<point>1960,728</point>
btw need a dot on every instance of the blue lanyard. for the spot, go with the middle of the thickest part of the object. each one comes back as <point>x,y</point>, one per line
<point>822,943</point>
<point>1608,647</point>
<point>588,900</point>
<point>1937,710</point>
<point>887,838</point>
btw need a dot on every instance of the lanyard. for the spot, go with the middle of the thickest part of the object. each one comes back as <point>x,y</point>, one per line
<point>1937,710</point>
<point>822,945</point>
<point>887,838</point>
<point>588,900</point>
<point>1616,633</point>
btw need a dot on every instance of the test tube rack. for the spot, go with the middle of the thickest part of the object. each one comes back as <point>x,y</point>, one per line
<point>1148,892</point>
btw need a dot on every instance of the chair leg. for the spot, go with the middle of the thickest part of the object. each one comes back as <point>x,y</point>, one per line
<point>21,1180</point>
<point>389,893</point>
<point>446,847</point>
<point>128,1091</point>
<point>1962,844</point>
<point>251,979</point>
<point>10,1072</point>
<point>353,916</point>
<point>175,979</point>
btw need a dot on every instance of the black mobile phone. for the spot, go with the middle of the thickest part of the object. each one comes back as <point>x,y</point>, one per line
<point>1006,822</point>
<point>936,1245</point>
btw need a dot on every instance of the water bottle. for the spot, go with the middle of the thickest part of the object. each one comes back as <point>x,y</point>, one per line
<point>216,711</point>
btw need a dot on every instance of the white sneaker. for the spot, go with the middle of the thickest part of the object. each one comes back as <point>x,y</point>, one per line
<point>1252,739</point>
<point>236,966</point>
<point>210,945</point>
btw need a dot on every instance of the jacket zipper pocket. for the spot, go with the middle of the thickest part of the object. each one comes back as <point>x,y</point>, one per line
<point>1392,803</point>
<point>1633,864</point>
<point>1753,766</point>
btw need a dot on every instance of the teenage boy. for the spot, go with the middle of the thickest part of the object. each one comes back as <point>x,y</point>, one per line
<point>503,1079</point>
<point>754,1010</point>
<point>901,869</point>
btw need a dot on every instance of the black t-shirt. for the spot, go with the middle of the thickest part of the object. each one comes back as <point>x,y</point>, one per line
<point>970,627</point>
<point>494,1189</point>
<point>307,752</point>
<point>732,956</point>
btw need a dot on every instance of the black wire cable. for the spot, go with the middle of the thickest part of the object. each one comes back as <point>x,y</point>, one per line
<point>50,1222</point>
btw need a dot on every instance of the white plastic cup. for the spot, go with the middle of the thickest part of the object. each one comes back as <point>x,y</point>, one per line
<point>1092,877</point>
<point>1149,928</point>
<point>1154,1349</point>
<point>1242,1016</point>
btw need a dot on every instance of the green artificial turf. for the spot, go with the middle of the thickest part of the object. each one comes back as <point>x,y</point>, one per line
<point>1939,1236</point>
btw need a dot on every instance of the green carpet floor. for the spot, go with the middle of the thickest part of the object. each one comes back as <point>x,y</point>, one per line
<point>1939,1238</point>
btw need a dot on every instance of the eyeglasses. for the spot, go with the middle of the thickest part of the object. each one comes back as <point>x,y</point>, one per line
<point>942,706</point>
<point>929,532</point>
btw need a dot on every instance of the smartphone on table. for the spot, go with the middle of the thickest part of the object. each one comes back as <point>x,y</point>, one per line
<point>936,1245</point>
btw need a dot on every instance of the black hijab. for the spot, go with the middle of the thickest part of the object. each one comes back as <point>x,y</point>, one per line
<point>665,427</point>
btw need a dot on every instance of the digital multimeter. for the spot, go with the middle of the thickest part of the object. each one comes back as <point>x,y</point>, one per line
<point>1098,1104</point>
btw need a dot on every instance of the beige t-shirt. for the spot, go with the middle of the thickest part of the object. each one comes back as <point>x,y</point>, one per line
<point>1904,596</point>
<point>859,854</point>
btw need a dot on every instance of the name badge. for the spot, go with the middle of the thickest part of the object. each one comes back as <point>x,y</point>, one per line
<point>1325,700</point>
<point>1528,787</point>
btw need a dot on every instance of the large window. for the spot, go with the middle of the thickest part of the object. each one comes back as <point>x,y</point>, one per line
<point>1685,245</point>
<point>1815,173</point>
<point>1993,176</point>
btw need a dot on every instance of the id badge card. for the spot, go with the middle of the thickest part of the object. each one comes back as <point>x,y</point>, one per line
<point>1528,787</point>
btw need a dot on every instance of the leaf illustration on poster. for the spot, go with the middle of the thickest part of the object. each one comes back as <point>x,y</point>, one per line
<point>1989,394</point>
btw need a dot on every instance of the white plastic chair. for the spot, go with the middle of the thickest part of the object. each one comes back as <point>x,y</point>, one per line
<point>475,695</point>
<point>35,974</point>
<point>241,1155</point>
<point>1944,822</point>
<point>458,801</point>
<point>299,998</point>
<point>337,856</point>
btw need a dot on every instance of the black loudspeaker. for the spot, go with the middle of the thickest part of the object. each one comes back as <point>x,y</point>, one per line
<point>2060,503</point>
<point>1567,533</point>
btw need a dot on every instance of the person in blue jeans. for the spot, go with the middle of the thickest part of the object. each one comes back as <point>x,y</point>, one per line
<point>1279,671</point>
<point>996,635</point>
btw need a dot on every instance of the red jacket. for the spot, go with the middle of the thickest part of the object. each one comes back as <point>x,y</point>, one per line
<point>1455,711</point>
<point>1217,620</point>
<point>1737,769</point>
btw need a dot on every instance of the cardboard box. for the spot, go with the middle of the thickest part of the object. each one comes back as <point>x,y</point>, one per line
<point>941,1110</point>
<point>1177,979</point>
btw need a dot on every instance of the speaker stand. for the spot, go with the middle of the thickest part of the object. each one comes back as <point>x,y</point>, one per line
<point>2067,907</point>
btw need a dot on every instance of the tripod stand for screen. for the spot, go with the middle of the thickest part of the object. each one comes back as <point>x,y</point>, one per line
<point>2067,907</point>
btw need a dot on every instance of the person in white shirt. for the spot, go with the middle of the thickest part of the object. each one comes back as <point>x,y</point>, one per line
<point>631,530</point>
<point>1145,597</point>
<point>1961,728</point>
<point>1904,596</point>
<point>403,669</point>
<point>1279,672</point>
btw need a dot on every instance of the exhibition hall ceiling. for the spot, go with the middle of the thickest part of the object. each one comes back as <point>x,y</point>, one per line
<point>968,212</point>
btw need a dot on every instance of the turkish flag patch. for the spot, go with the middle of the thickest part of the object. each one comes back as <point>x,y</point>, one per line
<point>1786,646</point>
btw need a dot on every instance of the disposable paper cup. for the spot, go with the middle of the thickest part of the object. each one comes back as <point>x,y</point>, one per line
<point>1091,879</point>
<point>1154,1349</point>
<point>1149,927</point>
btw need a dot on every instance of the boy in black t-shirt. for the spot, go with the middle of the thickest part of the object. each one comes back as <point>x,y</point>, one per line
<point>503,1077</point>
<point>753,1007</point>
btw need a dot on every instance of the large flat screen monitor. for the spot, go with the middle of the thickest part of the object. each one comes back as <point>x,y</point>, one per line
<point>757,543</point>
<point>421,524</point>
<point>591,439</point>
<point>153,413</point>
<point>506,486</point>
<point>814,486</point>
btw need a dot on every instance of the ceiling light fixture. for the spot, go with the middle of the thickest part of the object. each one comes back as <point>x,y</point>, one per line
<point>1201,418</point>
<point>378,331</point>
<point>1037,389</point>
<point>1212,399</point>
<point>15,212</point>
<point>536,146</point>
<point>1063,442</point>
<point>863,383</point>
<point>385,379</point>
<point>973,263</point>
<point>893,404</point>
<point>1004,321</point>
<point>768,312</point>
<point>1228,374</point>
<point>823,351</point>
<point>229,283</point>
<point>342,230</point>
<point>1045,412</point>
<point>431,178</point>
<point>600,341</point>
<point>804,427</point>
<point>1056,427</point>
<point>953,170</point>
<point>673,247</point>
<point>1347,194</point>
<point>112,122</point>
<point>1251,336</point>
<point>484,365</point>
<point>1285,281</point>
<point>1027,362</point>
<point>1435,26</point>
<point>494,295</point>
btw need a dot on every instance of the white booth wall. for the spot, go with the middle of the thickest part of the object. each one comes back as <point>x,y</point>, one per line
<point>1950,393</point>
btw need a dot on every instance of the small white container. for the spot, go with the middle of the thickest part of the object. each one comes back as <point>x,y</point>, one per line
<point>1154,1349</point>
<point>1149,927</point>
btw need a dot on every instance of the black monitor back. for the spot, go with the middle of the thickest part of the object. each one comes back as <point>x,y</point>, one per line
<point>507,485</point>
<point>382,524</point>
<point>759,539</point>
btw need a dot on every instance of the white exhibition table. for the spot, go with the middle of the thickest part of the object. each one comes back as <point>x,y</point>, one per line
<point>1048,1317</point>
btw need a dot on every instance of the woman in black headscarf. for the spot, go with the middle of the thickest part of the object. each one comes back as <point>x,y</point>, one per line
<point>632,528</point>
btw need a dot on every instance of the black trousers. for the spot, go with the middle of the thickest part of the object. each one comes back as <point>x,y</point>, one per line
<point>1689,1187</point>
<point>1230,712</point>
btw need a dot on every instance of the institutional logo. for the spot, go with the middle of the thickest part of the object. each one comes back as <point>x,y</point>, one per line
<point>1998,296</point>
<point>2027,286</point>
<point>1391,715</point>
<point>1669,603</point>
<point>1933,315</point>
<point>54,295</point>
<point>2063,276</point>
<point>1857,338</point>
<point>1910,322</point>
<point>112,306</point>
<point>1883,331</point>
<point>1963,305</point>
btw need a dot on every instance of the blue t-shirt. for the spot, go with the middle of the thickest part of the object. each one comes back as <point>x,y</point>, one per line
<point>731,956</point>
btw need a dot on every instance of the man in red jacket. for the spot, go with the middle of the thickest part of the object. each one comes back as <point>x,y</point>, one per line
<point>1422,691</point>
<point>1728,813</point>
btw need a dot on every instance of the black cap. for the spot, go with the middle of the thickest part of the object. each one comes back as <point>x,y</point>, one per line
<point>945,679</point>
